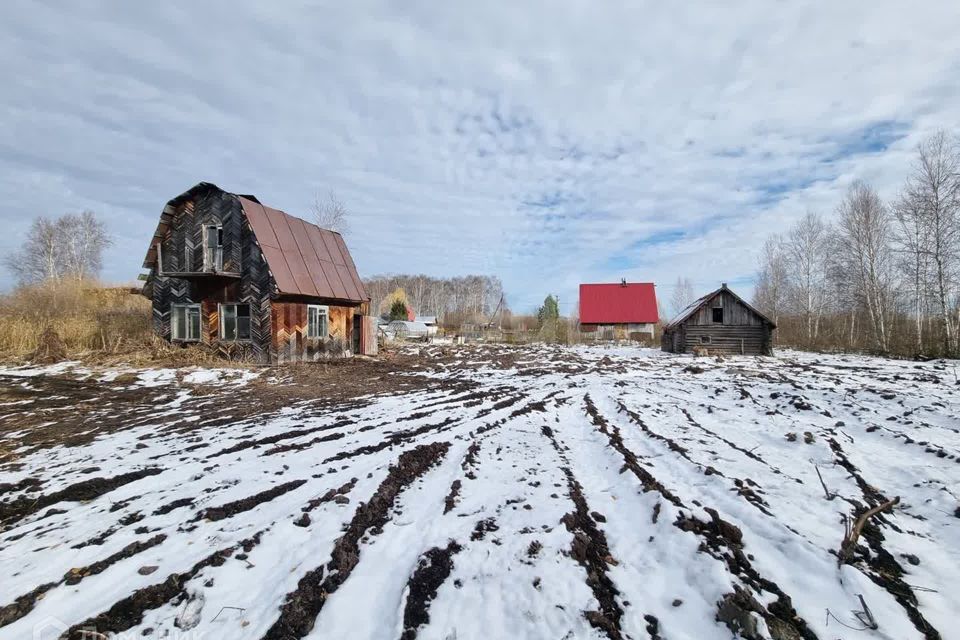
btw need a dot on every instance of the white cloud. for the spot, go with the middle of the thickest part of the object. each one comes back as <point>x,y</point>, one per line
<point>544,143</point>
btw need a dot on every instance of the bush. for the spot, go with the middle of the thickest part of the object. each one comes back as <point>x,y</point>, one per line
<point>86,317</point>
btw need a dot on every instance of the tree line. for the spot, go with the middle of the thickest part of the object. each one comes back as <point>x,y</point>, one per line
<point>881,276</point>
<point>455,300</point>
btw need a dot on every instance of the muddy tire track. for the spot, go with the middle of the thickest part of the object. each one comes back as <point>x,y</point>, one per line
<point>299,612</point>
<point>25,603</point>
<point>128,612</point>
<point>432,570</point>
<point>286,435</point>
<point>589,548</point>
<point>880,565</point>
<point>246,504</point>
<point>720,538</point>
<point>744,487</point>
<point>83,491</point>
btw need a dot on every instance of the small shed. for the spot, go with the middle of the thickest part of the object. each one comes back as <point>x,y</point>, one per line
<point>430,322</point>
<point>407,330</point>
<point>720,322</point>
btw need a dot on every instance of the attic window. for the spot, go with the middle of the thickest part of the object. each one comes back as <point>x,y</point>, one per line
<point>213,248</point>
<point>718,315</point>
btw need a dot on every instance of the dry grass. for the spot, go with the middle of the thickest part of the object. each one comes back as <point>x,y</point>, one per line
<point>85,316</point>
<point>99,325</point>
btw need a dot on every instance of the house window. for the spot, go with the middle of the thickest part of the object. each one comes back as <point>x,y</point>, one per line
<point>704,339</point>
<point>718,315</point>
<point>213,248</point>
<point>185,322</point>
<point>317,320</point>
<point>234,322</point>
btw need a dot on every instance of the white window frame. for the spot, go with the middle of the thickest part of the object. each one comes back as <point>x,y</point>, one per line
<point>213,255</point>
<point>186,307</point>
<point>223,328</point>
<point>318,330</point>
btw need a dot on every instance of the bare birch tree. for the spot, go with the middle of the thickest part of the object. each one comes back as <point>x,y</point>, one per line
<point>864,235</point>
<point>806,249</point>
<point>682,295</point>
<point>330,213</point>
<point>770,293</point>
<point>69,246</point>
<point>912,246</point>
<point>933,191</point>
<point>84,239</point>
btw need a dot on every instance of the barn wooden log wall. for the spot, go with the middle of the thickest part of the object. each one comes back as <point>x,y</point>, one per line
<point>743,330</point>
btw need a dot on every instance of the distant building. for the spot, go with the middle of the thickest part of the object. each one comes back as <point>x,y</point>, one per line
<point>430,322</point>
<point>406,330</point>
<point>720,322</point>
<point>624,311</point>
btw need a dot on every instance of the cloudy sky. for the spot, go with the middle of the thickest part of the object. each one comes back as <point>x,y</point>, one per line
<point>547,143</point>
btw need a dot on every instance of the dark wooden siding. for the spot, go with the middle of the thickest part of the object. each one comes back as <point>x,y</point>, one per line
<point>725,339</point>
<point>734,312</point>
<point>182,251</point>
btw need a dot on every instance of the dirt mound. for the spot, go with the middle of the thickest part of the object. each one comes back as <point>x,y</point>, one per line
<point>50,348</point>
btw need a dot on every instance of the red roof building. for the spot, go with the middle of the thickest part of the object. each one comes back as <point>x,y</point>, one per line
<point>627,307</point>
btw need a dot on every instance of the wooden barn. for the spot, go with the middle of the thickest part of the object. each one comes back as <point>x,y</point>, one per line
<point>720,322</point>
<point>254,282</point>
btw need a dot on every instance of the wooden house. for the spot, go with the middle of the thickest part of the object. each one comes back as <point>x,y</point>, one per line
<point>254,282</point>
<point>624,311</point>
<point>720,322</point>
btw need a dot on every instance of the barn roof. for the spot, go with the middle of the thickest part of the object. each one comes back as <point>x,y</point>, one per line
<point>304,259</point>
<point>623,303</point>
<point>692,308</point>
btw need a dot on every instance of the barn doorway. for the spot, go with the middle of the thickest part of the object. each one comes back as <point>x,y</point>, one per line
<point>355,336</point>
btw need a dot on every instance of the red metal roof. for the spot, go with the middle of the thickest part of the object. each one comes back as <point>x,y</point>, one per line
<point>633,302</point>
<point>305,260</point>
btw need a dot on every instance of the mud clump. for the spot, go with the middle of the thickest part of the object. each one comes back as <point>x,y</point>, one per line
<point>330,496</point>
<point>451,500</point>
<point>534,549</point>
<point>302,606</point>
<point>484,527</point>
<point>170,506</point>
<point>432,571</point>
<point>739,611</point>
<point>50,348</point>
<point>24,604</point>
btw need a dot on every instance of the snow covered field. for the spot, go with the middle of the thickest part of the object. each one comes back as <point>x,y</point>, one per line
<point>537,492</point>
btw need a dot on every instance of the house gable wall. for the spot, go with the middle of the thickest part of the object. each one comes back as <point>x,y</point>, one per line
<point>182,251</point>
